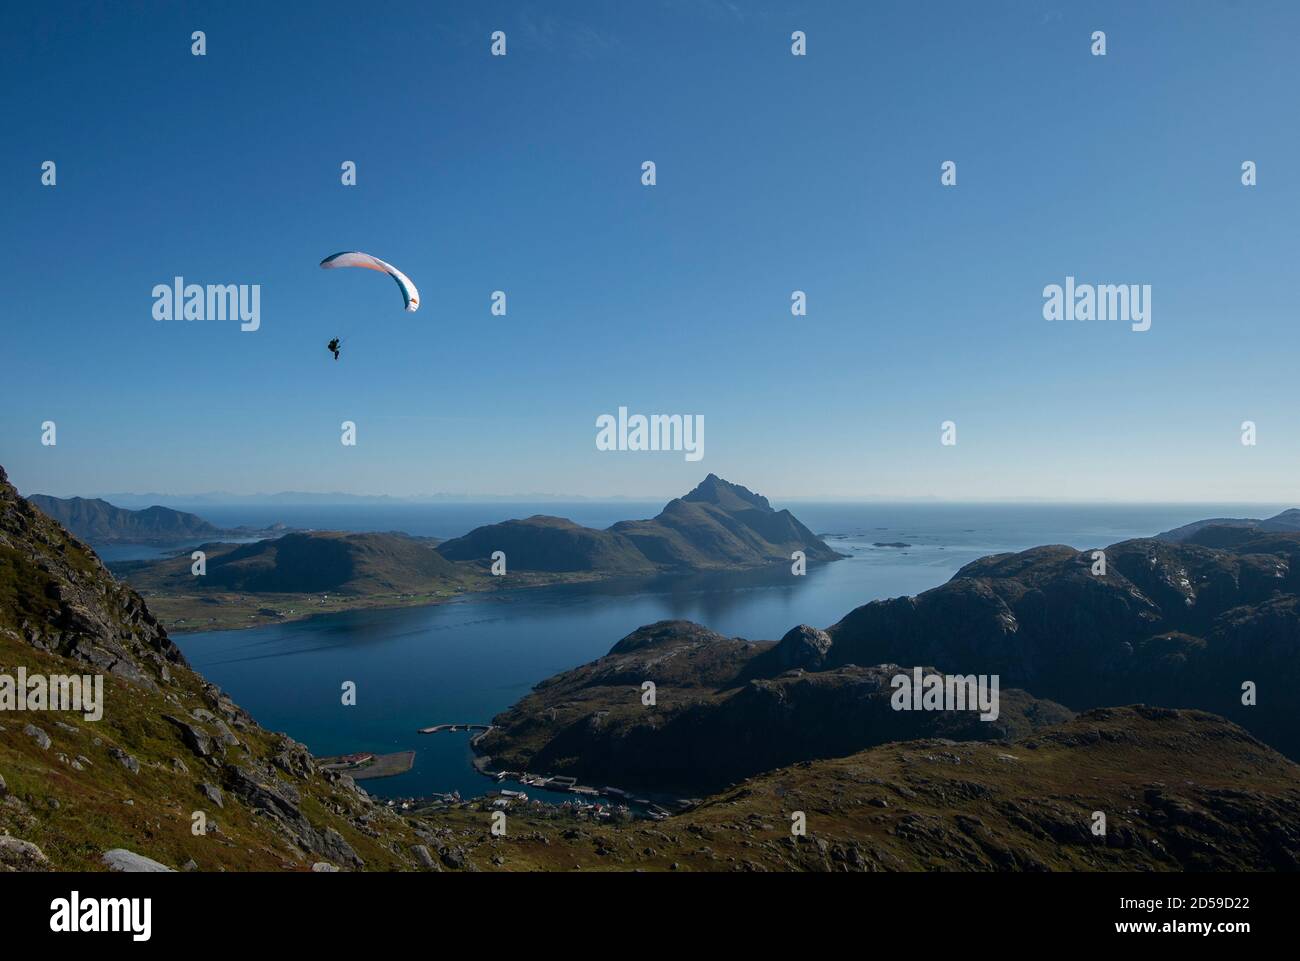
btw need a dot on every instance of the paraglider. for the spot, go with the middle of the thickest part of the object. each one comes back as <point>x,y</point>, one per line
<point>355,258</point>
<point>333,347</point>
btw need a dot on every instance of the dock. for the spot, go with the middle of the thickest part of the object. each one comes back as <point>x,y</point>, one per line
<point>480,730</point>
<point>448,728</point>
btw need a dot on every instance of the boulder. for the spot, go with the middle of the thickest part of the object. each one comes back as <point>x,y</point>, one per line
<point>196,739</point>
<point>126,760</point>
<point>802,646</point>
<point>19,855</point>
<point>128,862</point>
<point>40,737</point>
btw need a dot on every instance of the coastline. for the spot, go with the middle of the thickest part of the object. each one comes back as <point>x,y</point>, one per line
<point>199,613</point>
<point>217,611</point>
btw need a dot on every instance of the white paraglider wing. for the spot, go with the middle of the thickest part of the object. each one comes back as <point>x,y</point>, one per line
<point>355,258</point>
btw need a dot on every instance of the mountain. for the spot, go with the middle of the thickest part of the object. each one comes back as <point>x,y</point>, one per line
<point>295,576</point>
<point>1287,521</point>
<point>314,562</point>
<point>100,522</point>
<point>79,794</point>
<point>551,544</point>
<point>1178,625</point>
<point>726,709</point>
<point>718,525</point>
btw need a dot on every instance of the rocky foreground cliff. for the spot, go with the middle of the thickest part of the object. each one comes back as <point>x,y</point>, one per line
<point>123,791</point>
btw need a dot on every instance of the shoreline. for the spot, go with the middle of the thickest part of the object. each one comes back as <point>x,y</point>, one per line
<point>243,611</point>
<point>261,610</point>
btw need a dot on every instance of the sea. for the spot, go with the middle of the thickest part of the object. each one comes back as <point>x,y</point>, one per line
<point>466,660</point>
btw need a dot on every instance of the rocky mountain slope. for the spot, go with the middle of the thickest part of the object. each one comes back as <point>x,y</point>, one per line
<point>1180,791</point>
<point>725,709</point>
<point>1178,625</point>
<point>718,525</point>
<point>169,744</point>
<point>100,522</point>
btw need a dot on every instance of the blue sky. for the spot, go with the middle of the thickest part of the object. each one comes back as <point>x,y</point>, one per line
<point>775,173</point>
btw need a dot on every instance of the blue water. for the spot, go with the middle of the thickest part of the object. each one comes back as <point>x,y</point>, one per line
<point>465,661</point>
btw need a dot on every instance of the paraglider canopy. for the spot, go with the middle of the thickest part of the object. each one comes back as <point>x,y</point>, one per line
<point>355,258</point>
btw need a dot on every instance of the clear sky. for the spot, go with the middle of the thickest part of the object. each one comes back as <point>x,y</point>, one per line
<point>775,173</point>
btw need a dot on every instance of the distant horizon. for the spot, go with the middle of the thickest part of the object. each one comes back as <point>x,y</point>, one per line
<point>340,498</point>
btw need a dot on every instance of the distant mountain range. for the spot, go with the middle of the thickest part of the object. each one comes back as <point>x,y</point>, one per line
<point>99,522</point>
<point>320,498</point>
<point>717,525</point>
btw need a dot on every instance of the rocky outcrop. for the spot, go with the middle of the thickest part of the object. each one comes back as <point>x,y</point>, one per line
<point>723,709</point>
<point>128,862</point>
<point>1178,625</point>
<point>802,646</point>
<point>56,596</point>
<point>19,855</point>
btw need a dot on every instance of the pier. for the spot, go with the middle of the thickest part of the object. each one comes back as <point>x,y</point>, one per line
<point>480,729</point>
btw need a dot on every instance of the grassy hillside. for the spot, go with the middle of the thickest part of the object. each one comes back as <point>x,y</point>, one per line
<point>296,575</point>
<point>168,744</point>
<point>1181,791</point>
<point>552,544</point>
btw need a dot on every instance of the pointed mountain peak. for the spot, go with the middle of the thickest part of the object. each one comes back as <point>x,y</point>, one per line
<point>714,490</point>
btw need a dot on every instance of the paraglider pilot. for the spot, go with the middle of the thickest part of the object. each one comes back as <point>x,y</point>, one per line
<point>333,347</point>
